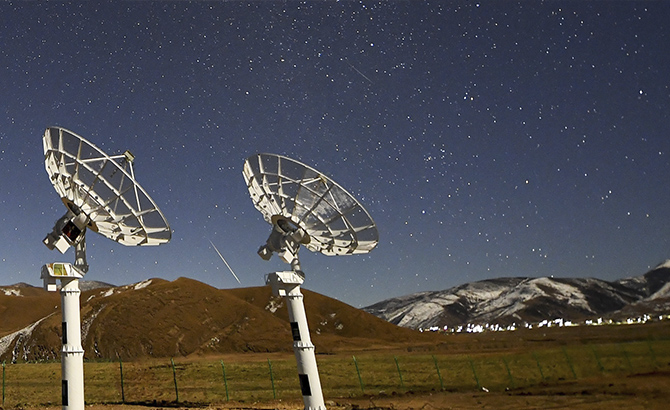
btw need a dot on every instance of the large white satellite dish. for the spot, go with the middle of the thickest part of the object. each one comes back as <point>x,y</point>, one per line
<point>284,189</point>
<point>100,193</point>
<point>306,208</point>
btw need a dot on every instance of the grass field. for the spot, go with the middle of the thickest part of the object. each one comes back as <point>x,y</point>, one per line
<point>467,363</point>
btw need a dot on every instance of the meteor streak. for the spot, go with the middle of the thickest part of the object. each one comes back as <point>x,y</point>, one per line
<point>358,71</point>
<point>224,261</point>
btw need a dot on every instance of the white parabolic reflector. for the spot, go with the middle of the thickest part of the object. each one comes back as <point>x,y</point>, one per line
<point>103,188</point>
<point>335,221</point>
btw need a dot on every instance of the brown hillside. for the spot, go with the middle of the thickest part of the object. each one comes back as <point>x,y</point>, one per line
<point>333,325</point>
<point>158,318</point>
<point>176,319</point>
<point>21,305</point>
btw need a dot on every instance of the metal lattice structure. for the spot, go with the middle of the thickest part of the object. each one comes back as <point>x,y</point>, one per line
<point>103,188</point>
<point>336,222</point>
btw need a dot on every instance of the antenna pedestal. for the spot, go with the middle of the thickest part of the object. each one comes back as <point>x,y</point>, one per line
<point>306,208</point>
<point>287,284</point>
<point>101,194</point>
<point>72,354</point>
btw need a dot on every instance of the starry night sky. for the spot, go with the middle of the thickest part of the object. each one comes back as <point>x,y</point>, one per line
<point>486,139</point>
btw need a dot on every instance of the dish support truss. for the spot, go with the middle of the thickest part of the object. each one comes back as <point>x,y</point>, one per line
<point>335,221</point>
<point>100,191</point>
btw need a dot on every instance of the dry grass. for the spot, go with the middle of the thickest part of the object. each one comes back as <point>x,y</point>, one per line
<point>554,360</point>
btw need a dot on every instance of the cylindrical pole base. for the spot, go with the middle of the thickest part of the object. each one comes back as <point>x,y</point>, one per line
<point>287,284</point>
<point>310,383</point>
<point>72,354</point>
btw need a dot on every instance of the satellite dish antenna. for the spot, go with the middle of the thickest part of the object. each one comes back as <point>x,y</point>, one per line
<point>306,208</point>
<point>100,193</point>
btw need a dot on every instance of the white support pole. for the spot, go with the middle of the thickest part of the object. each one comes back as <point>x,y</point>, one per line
<point>287,284</point>
<point>72,355</point>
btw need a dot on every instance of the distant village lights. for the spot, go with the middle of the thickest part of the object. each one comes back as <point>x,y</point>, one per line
<point>559,322</point>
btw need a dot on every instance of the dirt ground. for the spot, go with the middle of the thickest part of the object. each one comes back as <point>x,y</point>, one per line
<point>642,391</point>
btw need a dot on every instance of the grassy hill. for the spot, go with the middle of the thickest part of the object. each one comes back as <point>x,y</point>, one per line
<point>158,318</point>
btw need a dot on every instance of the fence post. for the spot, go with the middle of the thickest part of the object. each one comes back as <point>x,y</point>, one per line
<point>360,380</point>
<point>439,376</point>
<point>174,376</point>
<point>123,394</point>
<point>3,383</point>
<point>272,380</point>
<point>653,354</point>
<point>538,366</point>
<point>600,365</point>
<point>402,384</point>
<point>625,354</point>
<point>472,366</point>
<point>509,373</point>
<point>567,358</point>
<point>225,381</point>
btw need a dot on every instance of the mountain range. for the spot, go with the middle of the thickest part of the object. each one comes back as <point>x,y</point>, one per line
<point>522,300</point>
<point>159,318</point>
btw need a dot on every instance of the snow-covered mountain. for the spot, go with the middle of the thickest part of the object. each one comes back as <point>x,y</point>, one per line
<point>529,300</point>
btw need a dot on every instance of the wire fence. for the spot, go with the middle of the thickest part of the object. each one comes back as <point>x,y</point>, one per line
<point>205,381</point>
